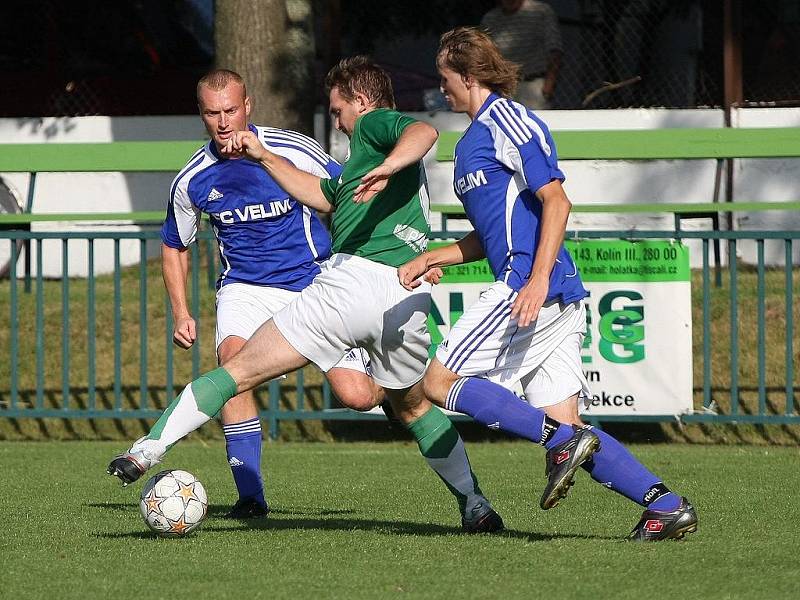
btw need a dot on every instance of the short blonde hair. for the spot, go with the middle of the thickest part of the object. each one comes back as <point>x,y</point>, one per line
<point>219,79</point>
<point>471,52</point>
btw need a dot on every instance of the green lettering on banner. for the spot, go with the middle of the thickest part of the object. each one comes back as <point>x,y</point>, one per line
<point>622,260</point>
<point>600,260</point>
<point>618,328</point>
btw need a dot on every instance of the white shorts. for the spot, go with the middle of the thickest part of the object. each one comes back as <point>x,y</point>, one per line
<point>544,357</point>
<point>356,302</point>
<point>242,308</point>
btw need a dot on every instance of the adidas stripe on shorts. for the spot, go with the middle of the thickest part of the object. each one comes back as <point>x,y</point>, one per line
<point>544,357</point>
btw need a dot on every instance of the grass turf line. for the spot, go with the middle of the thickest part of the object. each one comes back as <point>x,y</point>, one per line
<point>371,521</point>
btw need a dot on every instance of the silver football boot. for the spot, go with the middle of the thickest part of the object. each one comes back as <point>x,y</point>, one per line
<point>563,461</point>
<point>657,525</point>
<point>131,465</point>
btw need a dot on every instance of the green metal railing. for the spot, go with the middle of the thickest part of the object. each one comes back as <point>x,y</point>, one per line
<point>72,354</point>
<point>94,319</point>
<point>41,385</point>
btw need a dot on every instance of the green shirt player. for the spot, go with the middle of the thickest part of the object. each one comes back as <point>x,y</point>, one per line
<point>395,227</point>
<point>380,222</point>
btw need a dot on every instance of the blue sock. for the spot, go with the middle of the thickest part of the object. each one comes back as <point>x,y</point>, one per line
<point>615,467</point>
<point>243,444</point>
<point>498,408</point>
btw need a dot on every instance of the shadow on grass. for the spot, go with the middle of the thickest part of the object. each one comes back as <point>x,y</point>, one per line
<point>219,525</point>
<point>217,511</point>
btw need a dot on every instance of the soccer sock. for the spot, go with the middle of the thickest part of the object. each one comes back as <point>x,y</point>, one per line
<point>243,445</point>
<point>616,468</point>
<point>195,405</point>
<point>498,408</point>
<point>443,448</point>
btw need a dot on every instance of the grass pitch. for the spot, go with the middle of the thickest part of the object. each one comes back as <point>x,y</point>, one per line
<point>368,520</point>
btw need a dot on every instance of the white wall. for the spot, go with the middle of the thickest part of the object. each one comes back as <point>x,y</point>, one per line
<point>601,182</point>
<point>92,192</point>
<point>587,182</point>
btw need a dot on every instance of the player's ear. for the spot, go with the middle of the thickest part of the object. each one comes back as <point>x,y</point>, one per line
<point>247,106</point>
<point>362,103</point>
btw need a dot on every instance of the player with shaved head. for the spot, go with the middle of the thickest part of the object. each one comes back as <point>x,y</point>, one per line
<point>270,247</point>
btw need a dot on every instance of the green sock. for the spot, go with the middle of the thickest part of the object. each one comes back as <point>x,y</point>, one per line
<point>442,447</point>
<point>195,405</point>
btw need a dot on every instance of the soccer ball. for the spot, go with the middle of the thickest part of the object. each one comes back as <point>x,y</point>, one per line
<point>173,503</point>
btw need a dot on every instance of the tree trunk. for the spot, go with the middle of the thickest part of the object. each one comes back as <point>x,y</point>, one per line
<point>270,43</point>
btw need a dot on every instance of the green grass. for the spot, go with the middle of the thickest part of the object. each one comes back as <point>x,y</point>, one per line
<point>370,521</point>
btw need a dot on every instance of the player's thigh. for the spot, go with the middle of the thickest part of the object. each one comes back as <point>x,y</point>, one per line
<point>319,323</point>
<point>265,356</point>
<point>547,351</point>
<point>352,384</point>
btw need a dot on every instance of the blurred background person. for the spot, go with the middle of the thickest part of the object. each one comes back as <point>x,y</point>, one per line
<point>527,33</point>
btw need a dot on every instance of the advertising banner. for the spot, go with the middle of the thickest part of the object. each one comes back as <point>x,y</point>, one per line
<point>637,354</point>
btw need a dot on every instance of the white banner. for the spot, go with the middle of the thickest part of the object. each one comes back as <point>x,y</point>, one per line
<point>637,353</point>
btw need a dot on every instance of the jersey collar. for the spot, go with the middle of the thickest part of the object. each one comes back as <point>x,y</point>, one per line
<point>489,100</point>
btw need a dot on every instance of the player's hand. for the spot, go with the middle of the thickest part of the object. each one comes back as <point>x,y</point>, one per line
<point>409,274</point>
<point>433,276</point>
<point>244,144</point>
<point>185,332</point>
<point>373,182</point>
<point>529,301</point>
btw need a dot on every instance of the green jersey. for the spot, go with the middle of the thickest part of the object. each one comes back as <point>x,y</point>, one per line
<point>392,228</point>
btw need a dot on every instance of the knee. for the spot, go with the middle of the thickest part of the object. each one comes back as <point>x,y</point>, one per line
<point>429,387</point>
<point>566,412</point>
<point>436,387</point>
<point>228,348</point>
<point>362,398</point>
<point>361,402</point>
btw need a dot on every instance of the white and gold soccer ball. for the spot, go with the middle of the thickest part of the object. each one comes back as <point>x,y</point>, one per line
<point>173,503</point>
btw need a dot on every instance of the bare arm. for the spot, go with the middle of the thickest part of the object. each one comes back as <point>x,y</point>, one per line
<point>465,250</point>
<point>300,185</point>
<point>429,263</point>
<point>555,212</point>
<point>174,269</point>
<point>412,145</point>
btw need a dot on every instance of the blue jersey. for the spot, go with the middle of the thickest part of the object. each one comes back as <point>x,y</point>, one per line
<point>265,236</point>
<point>502,159</point>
